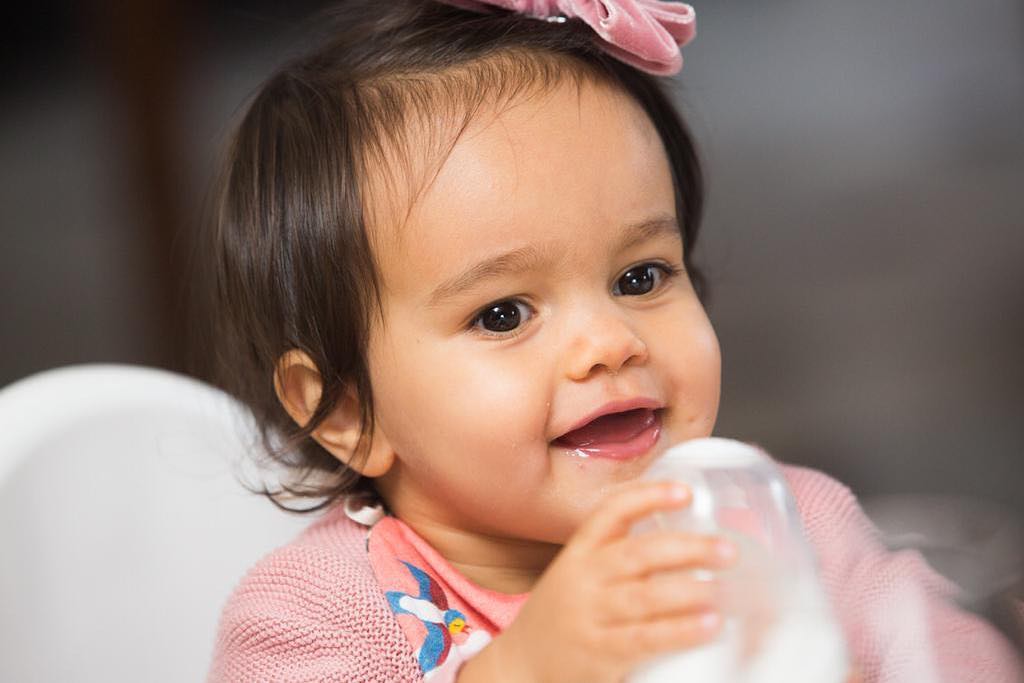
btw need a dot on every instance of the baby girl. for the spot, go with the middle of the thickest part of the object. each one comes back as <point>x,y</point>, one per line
<point>452,276</point>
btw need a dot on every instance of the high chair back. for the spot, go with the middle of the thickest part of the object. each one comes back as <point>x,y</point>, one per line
<point>123,525</point>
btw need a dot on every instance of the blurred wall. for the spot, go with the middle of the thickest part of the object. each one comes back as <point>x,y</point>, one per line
<point>865,233</point>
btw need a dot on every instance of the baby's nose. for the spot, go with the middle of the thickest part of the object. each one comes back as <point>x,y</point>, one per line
<point>606,344</point>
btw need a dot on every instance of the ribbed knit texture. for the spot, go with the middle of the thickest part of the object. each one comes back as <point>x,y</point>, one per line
<point>312,610</point>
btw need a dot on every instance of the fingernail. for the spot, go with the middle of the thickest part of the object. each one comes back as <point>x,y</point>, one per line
<point>678,492</point>
<point>726,550</point>
<point>710,620</point>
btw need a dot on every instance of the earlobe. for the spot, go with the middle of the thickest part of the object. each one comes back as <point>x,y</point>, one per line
<point>340,433</point>
<point>299,386</point>
<point>380,458</point>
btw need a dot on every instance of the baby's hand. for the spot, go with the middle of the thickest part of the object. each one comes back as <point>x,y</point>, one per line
<point>609,600</point>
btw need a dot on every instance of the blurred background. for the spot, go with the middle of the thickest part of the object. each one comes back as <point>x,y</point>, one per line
<point>864,237</point>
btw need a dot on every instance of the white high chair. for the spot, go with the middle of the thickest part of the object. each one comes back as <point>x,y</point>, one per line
<point>123,526</point>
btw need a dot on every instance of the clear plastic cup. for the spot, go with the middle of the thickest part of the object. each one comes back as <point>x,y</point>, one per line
<point>778,623</point>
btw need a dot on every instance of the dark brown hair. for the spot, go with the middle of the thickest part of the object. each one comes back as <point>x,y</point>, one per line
<point>288,262</point>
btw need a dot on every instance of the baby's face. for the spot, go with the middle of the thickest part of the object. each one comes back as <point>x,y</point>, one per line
<point>537,285</point>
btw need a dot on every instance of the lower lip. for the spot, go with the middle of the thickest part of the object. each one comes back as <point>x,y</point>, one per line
<point>633,447</point>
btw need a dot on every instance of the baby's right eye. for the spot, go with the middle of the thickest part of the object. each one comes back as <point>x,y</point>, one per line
<point>502,317</point>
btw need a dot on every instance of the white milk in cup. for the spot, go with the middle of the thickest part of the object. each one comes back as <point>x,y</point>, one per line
<point>778,626</point>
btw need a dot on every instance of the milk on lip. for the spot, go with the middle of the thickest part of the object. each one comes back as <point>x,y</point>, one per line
<point>778,623</point>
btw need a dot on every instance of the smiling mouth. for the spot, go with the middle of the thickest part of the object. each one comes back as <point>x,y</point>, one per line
<point>619,436</point>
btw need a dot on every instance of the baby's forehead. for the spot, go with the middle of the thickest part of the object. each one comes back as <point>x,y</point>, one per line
<point>529,176</point>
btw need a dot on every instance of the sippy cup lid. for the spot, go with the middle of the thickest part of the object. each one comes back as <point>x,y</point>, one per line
<point>713,452</point>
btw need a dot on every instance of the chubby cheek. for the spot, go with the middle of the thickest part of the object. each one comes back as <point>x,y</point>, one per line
<point>692,373</point>
<point>458,413</point>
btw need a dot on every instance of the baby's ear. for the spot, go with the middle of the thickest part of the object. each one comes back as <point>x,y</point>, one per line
<point>299,386</point>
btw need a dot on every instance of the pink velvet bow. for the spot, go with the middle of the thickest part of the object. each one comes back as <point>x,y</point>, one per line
<point>646,34</point>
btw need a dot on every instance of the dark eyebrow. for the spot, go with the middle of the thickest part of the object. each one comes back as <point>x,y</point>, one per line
<point>517,260</point>
<point>638,233</point>
<point>531,257</point>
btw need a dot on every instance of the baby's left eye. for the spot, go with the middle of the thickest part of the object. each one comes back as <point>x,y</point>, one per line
<point>641,279</point>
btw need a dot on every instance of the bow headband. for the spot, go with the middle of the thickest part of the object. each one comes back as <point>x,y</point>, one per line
<point>645,34</point>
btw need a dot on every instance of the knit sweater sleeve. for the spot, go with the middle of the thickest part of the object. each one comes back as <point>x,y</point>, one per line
<point>898,614</point>
<point>311,611</point>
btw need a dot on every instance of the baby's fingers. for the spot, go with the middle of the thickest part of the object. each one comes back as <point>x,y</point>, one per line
<point>644,640</point>
<point>658,597</point>
<point>619,512</point>
<point>657,551</point>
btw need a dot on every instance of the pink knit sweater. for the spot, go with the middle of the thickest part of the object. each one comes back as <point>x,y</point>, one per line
<point>314,610</point>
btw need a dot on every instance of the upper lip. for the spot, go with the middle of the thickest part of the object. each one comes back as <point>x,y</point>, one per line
<point>611,407</point>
